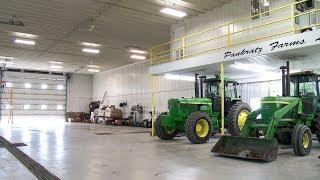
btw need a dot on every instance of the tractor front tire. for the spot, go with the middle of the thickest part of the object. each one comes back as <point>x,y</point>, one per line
<point>302,140</point>
<point>198,127</point>
<point>236,117</point>
<point>161,131</point>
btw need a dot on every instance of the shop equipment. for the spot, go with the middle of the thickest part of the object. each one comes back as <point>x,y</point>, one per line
<point>288,119</point>
<point>200,117</point>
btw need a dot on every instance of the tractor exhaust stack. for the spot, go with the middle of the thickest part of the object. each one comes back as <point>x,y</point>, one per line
<point>196,86</point>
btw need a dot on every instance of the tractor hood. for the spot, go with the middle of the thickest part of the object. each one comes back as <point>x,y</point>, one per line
<point>271,104</point>
<point>190,101</point>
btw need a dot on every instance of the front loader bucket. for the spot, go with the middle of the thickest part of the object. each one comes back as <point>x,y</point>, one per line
<point>247,148</point>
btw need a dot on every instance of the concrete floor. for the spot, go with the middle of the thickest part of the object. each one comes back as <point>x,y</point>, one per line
<point>74,151</point>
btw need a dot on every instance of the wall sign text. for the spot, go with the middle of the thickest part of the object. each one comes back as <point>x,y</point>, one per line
<point>257,50</point>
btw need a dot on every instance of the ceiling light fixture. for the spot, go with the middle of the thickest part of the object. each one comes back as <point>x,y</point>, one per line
<point>138,57</point>
<point>24,35</point>
<point>93,66</point>
<point>55,62</point>
<point>173,12</point>
<point>94,51</point>
<point>93,70</point>
<point>179,77</point>
<point>90,44</point>
<point>137,51</point>
<point>27,42</point>
<point>250,67</point>
<point>56,67</point>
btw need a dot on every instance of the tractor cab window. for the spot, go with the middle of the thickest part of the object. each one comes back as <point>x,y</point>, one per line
<point>213,89</point>
<point>304,86</point>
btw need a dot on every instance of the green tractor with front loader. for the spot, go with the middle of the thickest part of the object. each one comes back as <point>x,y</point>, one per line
<point>290,119</point>
<point>200,117</point>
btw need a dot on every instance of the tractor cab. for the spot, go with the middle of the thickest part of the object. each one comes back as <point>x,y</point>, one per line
<point>305,85</point>
<point>213,86</point>
<point>210,88</point>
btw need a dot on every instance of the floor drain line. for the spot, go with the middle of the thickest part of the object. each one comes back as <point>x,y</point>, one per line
<point>35,168</point>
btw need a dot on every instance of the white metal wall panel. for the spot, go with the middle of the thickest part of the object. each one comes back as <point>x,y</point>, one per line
<point>35,96</point>
<point>79,93</point>
<point>133,84</point>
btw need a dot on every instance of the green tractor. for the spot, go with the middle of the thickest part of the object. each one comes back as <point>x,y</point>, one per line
<point>290,119</point>
<point>200,117</point>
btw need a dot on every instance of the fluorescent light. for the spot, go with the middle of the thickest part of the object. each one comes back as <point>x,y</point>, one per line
<point>95,51</point>
<point>179,77</point>
<point>21,41</point>
<point>27,85</point>
<point>90,44</point>
<point>26,106</point>
<point>93,66</point>
<point>24,35</point>
<point>173,12</point>
<point>59,107</point>
<point>55,62</point>
<point>9,84</point>
<point>60,87</point>
<point>93,70</point>
<point>56,67</point>
<point>138,57</point>
<point>44,86</point>
<point>43,107</point>
<point>250,67</point>
<point>137,51</point>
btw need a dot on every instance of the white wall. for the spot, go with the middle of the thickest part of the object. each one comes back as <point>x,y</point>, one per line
<point>133,84</point>
<point>79,93</point>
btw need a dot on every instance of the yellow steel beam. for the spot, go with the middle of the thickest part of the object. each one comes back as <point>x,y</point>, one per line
<point>222,96</point>
<point>152,103</point>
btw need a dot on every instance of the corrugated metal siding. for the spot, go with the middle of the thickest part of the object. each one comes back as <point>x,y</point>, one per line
<point>254,90</point>
<point>133,84</point>
<point>79,93</point>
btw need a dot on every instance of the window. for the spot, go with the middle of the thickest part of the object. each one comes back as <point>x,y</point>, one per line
<point>44,86</point>
<point>258,7</point>
<point>60,87</point>
<point>27,85</point>
<point>59,107</point>
<point>26,106</point>
<point>9,84</point>
<point>43,107</point>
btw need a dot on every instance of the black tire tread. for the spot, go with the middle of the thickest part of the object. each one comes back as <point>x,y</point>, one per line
<point>160,131</point>
<point>190,127</point>
<point>232,117</point>
<point>297,140</point>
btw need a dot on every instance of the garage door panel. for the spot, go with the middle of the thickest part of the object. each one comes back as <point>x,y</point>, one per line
<point>34,99</point>
<point>32,75</point>
<point>35,113</point>
<point>35,91</point>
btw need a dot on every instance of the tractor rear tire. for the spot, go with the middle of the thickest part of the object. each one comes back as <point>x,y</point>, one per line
<point>198,127</point>
<point>302,140</point>
<point>233,117</point>
<point>161,132</point>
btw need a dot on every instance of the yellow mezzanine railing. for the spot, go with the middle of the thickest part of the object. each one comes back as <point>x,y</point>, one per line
<point>235,33</point>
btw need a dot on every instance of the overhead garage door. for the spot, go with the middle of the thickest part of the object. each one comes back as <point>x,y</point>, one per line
<point>34,93</point>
